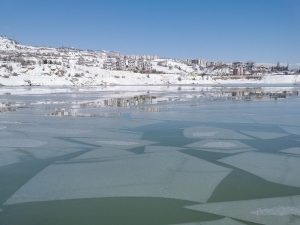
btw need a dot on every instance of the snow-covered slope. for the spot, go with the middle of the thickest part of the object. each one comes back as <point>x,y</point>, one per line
<point>27,65</point>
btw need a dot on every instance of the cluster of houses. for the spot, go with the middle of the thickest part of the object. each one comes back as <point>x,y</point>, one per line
<point>238,67</point>
<point>128,63</point>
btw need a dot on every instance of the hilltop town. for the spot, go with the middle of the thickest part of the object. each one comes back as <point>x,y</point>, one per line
<point>28,65</point>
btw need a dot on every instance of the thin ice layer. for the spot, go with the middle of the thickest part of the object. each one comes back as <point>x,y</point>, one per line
<point>295,150</point>
<point>117,142</point>
<point>264,135</point>
<point>206,132</point>
<point>224,146</point>
<point>103,153</point>
<point>224,221</point>
<point>168,175</point>
<point>153,149</point>
<point>275,168</point>
<point>270,211</point>
<point>21,143</point>
<point>292,130</point>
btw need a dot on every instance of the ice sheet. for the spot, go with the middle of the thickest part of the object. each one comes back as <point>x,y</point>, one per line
<point>116,142</point>
<point>21,143</point>
<point>103,153</point>
<point>270,211</point>
<point>224,221</point>
<point>153,149</point>
<point>295,150</point>
<point>292,130</point>
<point>168,175</point>
<point>206,132</point>
<point>224,146</point>
<point>264,135</point>
<point>275,168</point>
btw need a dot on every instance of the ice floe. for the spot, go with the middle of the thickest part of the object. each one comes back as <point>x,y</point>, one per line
<point>206,132</point>
<point>295,150</point>
<point>224,221</point>
<point>270,211</point>
<point>21,143</point>
<point>292,130</point>
<point>153,149</point>
<point>168,174</point>
<point>103,153</point>
<point>275,168</point>
<point>264,135</point>
<point>224,146</point>
<point>116,143</point>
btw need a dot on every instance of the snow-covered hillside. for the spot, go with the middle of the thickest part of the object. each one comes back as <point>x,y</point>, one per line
<point>27,65</point>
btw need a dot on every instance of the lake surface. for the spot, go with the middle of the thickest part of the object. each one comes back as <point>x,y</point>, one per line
<point>150,155</point>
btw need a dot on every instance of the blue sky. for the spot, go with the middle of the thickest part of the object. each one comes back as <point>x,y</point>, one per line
<point>216,30</point>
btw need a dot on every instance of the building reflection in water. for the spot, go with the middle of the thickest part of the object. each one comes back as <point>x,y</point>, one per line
<point>121,102</point>
<point>60,112</point>
<point>257,94</point>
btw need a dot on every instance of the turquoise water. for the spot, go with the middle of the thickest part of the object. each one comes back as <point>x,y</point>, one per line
<point>150,155</point>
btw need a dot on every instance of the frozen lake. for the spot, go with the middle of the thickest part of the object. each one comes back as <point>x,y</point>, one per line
<point>150,155</point>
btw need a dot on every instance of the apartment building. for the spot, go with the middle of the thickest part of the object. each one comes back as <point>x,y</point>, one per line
<point>110,64</point>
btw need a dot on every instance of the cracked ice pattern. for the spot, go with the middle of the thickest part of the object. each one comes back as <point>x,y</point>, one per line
<point>295,151</point>
<point>292,130</point>
<point>280,169</point>
<point>269,211</point>
<point>212,133</point>
<point>264,135</point>
<point>224,146</point>
<point>168,175</point>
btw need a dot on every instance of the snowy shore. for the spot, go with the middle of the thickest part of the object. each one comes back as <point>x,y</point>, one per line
<point>130,78</point>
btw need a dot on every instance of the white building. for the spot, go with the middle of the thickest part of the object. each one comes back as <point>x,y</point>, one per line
<point>131,64</point>
<point>110,64</point>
